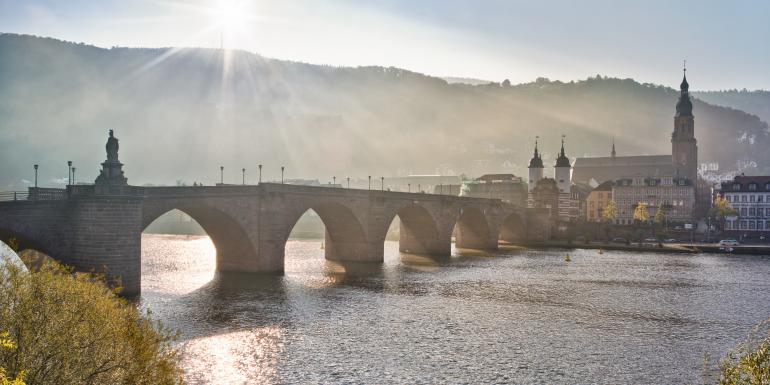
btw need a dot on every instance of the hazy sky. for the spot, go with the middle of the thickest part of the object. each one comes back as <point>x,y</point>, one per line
<point>725,42</point>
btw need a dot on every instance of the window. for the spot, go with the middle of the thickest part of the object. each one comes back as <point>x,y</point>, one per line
<point>767,186</point>
<point>743,225</point>
<point>743,211</point>
<point>760,225</point>
<point>736,187</point>
<point>751,198</point>
<point>759,198</point>
<point>752,186</point>
<point>752,212</point>
<point>768,212</point>
<point>751,225</point>
<point>743,198</point>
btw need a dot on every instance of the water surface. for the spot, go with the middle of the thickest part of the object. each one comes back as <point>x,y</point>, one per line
<point>524,317</point>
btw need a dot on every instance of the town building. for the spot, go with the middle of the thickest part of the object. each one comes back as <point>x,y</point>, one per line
<point>597,200</point>
<point>507,187</point>
<point>558,194</point>
<point>683,161</point>
<point>750,197</point>
<point>675,194</point>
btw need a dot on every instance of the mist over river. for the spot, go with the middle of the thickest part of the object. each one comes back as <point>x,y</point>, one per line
<point>512,316</point>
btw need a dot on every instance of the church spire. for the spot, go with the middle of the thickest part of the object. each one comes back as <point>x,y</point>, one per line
<point>562,160</point>
<point>612,154</point>
<point>684,105</point>
<point>537,160</point>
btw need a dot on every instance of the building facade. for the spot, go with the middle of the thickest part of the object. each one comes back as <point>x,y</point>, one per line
<point>597,200</point>
<point>750,197</point>
<point>675,194</point>
<point>565,202</point>
<point>507,187</point>
<point>683,161</point>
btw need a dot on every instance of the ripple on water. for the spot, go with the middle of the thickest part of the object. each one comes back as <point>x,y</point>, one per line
<point>509,317</point>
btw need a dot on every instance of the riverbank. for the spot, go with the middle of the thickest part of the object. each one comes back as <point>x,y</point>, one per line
<point>664,248</point>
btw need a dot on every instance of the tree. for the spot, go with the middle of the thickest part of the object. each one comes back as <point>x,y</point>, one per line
<point>661,214</point>
<point>721,210</point>
<point>7,344</point>
<point>749,363</point>
<point>72,329</point>
<point>610,211</point>
<point>641,213</point>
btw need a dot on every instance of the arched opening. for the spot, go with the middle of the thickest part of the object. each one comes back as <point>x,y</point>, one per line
<point>328,239</point>
<point>344,238</point>
<point>31,252</point>
<point>472,230</point>
<point>512,230</point>
<point>416,231</point>
<point>196,240</point>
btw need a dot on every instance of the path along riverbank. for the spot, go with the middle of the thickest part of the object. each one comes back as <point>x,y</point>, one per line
<point>653,248</point>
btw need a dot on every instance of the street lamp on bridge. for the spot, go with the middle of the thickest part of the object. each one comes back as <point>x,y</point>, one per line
<point>243,181</point>
<point>334,180</point>
<point>260,173</point>
<point>222,175</point>
<point>73,175</point>
<point>35,176</point>
<point>282,168</point>
<point>382,183</point>
<point>69,172</point>
<point>370,182</point>
<point>348,178</point>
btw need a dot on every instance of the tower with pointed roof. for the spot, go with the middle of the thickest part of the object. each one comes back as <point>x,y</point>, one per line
<point>535,169</point>
<point>684,146</point>
<point>612,154</point>
<point>563,170</point>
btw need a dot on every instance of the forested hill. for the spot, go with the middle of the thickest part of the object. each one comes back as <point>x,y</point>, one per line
<point>181,113</point>
<point>754,102</point>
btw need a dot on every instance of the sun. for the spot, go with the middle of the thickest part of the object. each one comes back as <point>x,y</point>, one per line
<point>228,14</point>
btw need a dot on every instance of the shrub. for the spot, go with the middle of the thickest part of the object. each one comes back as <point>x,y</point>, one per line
<point>72,329</point>
<point>749,362</point>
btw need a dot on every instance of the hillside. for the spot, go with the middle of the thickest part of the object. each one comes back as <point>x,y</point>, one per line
<point>181,113</point>
<point>754,102</point>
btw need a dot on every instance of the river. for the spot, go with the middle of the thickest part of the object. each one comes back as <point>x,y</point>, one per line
<point>512,316</point>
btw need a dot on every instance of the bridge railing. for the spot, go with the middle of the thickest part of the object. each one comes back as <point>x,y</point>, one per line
<point>46,194</point>
<point>13,195</point>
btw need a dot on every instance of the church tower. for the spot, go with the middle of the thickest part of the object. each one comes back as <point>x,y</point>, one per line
<point>563,171</point>
<point>684,146</point>
<point>535,169</point>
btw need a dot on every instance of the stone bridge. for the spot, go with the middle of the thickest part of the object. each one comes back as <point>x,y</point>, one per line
<point>98,227</point>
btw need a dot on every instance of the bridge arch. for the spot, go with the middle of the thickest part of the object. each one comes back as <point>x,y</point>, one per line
<point>419,232</point>
<point>513,228</point>
<point>230,239</point>
<point>473,231</point>
<point>22,237</point>
<point>345,236</point>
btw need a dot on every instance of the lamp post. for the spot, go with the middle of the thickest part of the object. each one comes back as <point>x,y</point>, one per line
<point>260,173</point>
<point>243,181</point>
<point>222,175</point>
<point>348,182</point>
<point>382,183</point>
<point>282,168</point>
<point>35,176</point>
<point>69,172</point>
<point>73,175</point>
<point>370,182</point>
<point>409,187</point>
<point>441,188</point>
<point>419,187</point>
<point>334,180</point>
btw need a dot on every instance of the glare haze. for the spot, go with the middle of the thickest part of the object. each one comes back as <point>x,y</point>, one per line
<point>491,40</point>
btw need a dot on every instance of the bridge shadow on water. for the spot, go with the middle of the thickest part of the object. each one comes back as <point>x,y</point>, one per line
<point>233,302</point>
